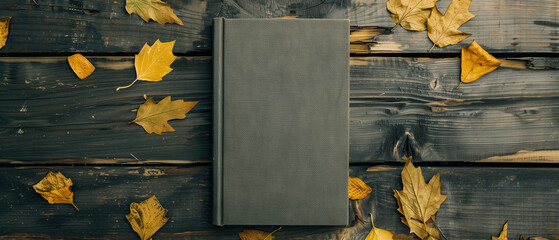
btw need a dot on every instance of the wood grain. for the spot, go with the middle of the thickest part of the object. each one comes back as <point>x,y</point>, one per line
<point>479,201</point>
<point>65,26</point>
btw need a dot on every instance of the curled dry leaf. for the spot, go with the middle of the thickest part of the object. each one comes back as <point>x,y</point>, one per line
<point>419,202</point>
<point>476,62</point>
<point>55,188</point>
<point>157,10</point>
<point>503,235</point>
<point>377,233</point>
<point>81,66</point>
<point>153,116</point>
<point>357,189</point>
<point>147,217</point>
<point>152,63</point>
<point>4,25</point>
<point>443,29</point>
<point>410,14</point>
<point>256,235</point>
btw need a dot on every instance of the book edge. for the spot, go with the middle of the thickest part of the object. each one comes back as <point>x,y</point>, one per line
<point>217,163</point>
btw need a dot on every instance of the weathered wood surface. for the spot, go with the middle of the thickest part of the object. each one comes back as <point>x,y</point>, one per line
<point>479,201</point>
<point>103,26</point>
<point>399,106</point>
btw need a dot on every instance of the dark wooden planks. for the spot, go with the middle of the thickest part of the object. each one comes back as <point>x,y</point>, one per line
<point>103,26</point>
<point>479,201</point>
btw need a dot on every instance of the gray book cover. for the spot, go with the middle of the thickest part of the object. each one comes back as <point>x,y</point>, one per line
<point>281,102</point>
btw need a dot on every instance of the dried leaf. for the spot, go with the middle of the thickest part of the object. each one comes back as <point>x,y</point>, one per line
<point>157,10</point>
<point>153,116</point>
<point>503,235</point>
<point>443,29</point>
<point>476,62</point>
<point>285,17</point>
<point>81,66</point>
<point>55,188</point>
<point>538,238</point>
<point>4,25</point>
<point>256,235</point>
<point>410,14</point>
<point>419,202</point>
<point>152,63</point>
<point>147,217</point>
<point>377,233</point>
<point>358,189</point>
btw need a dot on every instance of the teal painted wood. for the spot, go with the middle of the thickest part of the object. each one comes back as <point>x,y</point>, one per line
<point>479,202</point>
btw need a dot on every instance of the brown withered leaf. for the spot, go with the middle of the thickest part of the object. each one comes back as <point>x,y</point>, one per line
<point>4,27</point>
<point>157,10</point>
<point>147,217</point>
<point>377,233</point>
<point>80,65</point>
<point>410,14</point>
<point>476,62</point>
<point>256,235</point>
<point>153,116</point>
<point>443,29</point>
<point>55,188</point>
<point>419,202</point>
<point>357,189</point>
<point>503,235</point>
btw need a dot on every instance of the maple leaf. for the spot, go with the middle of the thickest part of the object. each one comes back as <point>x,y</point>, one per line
<point>256,235</point>
<point>153,117</point>
<point>55,188</point>
<point>410,14</point>
<point>419,202</point>
<point>157,10</point>
<point>476,62</point>
<point>357,189</point>
<point>80,65</point>
<point>4,25</point>
<point>503,235</point>
<point>377,233</point>
<point>152,63</point>
<point>443,29</point>
<point>147,217</point>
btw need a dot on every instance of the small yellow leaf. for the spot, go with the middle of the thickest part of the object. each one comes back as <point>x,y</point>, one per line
<point>55,188</point>
<point>256,235</point>
<point>4,25</point>
<point>153,116</point>
<point>152,63</point>
<point>377,233</point>
<point>285,17</point>
<point>476,62</point>
<point>357,189</point>
<point>147,217</point>
<point>443,29</point>
<point>503,235</point>
<point>410,14</point>
<point>81,66</point>
<point>157,10</point>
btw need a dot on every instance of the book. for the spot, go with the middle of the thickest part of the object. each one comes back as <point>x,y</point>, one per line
<point>281,122</point>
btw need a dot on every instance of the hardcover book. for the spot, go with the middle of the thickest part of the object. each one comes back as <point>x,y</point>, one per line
<point>281,102</point>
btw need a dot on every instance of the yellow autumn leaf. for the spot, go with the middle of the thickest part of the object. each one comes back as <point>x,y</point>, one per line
<point>147,217</point>
<point>80,65</point>
<point>157,10</point>
<point>4,25</point>
<point>357,189</point>
<point>152,63</point>
<point>256,235</point>
<point>503,235</point>
<point>476,62</point>
<point>410,14</point>
<point>153,116</point>
<point>443,29</point>
<point>55,188</point>
<point>377,233</point>
<point>419,202</point>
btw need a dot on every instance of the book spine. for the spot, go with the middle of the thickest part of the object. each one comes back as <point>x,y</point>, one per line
<point>218,123</point>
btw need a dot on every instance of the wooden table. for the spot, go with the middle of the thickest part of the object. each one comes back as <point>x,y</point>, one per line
<point>495,141</point>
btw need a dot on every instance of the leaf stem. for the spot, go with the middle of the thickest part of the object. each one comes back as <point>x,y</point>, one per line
<point>459,85</point>
<point>269,235</point>
<point>75,207</point>
<point>118,88</point>
<point>431,48</point>
<point>35,3</point>
<point>440,230</point>
<point>394,27</point>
